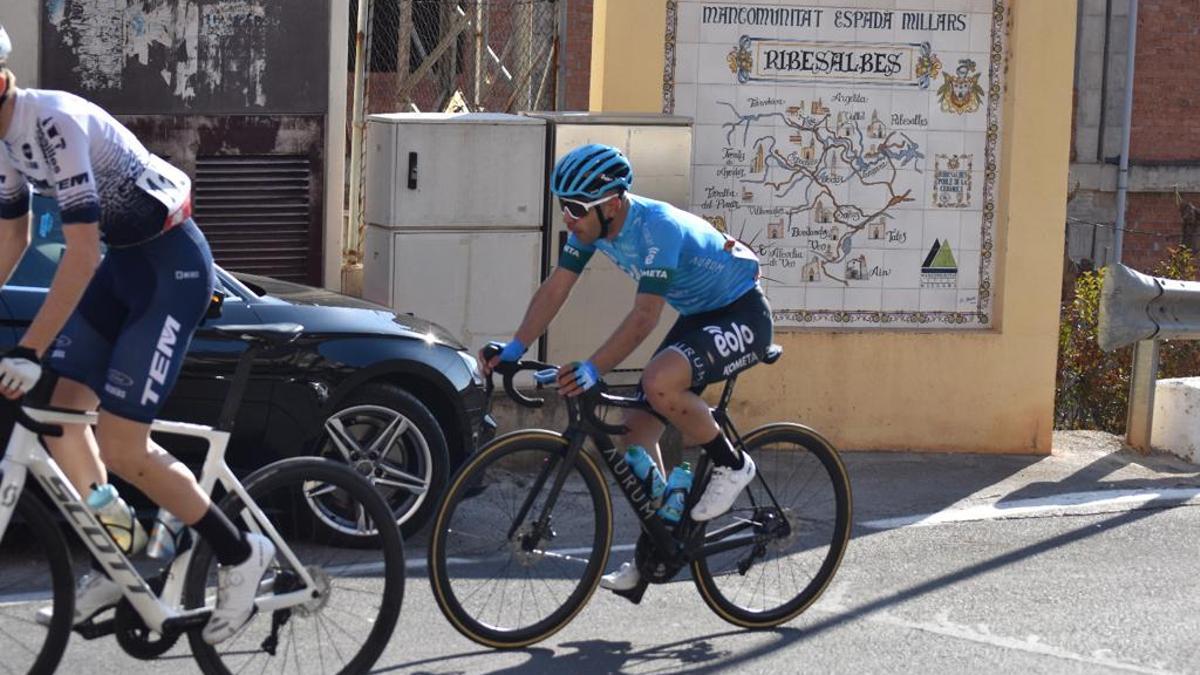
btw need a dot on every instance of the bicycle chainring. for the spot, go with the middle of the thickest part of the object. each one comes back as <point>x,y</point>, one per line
<point>651,565</point>
<point>134,636</point>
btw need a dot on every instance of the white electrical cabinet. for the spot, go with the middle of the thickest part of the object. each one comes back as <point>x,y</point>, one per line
<point>474,284</point>
<point>454,210</point>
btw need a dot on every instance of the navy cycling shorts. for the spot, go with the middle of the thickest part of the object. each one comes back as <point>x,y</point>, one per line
<point>722,342</point>
<point>128,337</point>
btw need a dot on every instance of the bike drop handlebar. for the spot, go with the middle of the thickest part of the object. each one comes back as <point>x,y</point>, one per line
<point>545,374</point>
<point>17,410</point>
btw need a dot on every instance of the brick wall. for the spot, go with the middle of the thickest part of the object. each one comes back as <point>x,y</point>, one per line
<point>1166,122</point>
<point>1153,225</point>
<point>1166,97</point>
<point>578,55</point>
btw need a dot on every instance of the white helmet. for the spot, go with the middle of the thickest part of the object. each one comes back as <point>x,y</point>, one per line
<point>5,45</point>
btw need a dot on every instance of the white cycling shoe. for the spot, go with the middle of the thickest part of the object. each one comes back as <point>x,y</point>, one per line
<point>723,490</point>
<point>623,579</point>
<point>237,585</point>
<point>94,593</point>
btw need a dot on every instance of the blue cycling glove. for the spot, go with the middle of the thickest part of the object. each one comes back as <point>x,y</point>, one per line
<point>586,375</point>
<point>513,351</point>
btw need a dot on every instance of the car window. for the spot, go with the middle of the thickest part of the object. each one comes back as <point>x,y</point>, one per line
<point>46,246</point>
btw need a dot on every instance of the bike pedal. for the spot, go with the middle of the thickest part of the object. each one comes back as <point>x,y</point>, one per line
<point>634,594</point>
<point>90,629</point>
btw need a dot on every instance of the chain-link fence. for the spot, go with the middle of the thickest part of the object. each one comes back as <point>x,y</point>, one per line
<point>436,55</point>
<point>445,55</point>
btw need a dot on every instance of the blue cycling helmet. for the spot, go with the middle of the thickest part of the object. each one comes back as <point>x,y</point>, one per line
<point>5,46</point>
<point>590,171</point>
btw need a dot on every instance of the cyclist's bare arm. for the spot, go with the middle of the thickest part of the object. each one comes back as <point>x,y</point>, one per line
<point>14,239</point>
<point>634,329</point>
<point>543,307</point>
<point>546,302</point>
<point>75,270</point>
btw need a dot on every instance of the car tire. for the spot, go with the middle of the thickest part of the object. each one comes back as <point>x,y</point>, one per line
<point>392,439</point>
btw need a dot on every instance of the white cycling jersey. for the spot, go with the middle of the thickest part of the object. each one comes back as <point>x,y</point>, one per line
<point>71,150</point>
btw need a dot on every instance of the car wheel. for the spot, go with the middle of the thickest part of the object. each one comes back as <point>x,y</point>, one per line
<point>392,439</point>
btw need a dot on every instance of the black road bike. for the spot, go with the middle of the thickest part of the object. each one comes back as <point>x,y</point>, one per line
<point>522,537</point>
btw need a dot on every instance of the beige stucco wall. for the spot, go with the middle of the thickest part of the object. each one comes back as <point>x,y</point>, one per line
<point>20,19</point>
<point>983,391</point>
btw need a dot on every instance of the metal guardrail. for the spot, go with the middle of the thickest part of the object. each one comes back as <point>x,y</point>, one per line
<point>1141,310</point>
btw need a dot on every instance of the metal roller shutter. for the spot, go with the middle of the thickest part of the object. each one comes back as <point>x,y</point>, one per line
<point>256,212</point>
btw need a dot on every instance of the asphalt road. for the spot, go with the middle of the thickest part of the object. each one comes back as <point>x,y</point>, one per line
<point>1082,562</point>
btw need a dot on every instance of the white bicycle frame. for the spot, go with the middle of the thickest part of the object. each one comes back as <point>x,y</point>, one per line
<point>25,455</point>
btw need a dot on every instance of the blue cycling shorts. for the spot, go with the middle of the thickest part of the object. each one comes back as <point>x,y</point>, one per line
<point>128,337</point>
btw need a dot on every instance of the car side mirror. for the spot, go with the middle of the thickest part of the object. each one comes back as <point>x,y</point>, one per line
<point>214,307</point>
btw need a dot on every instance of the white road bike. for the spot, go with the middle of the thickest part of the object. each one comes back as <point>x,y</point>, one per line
<point>320,607</point>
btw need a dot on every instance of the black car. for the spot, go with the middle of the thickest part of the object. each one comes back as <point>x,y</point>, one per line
<point>395,395</point>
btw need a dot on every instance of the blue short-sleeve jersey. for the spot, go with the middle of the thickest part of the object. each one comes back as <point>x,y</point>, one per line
<point>675,254</point>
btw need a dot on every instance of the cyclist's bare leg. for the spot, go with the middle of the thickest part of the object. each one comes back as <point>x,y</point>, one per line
<point>667,382</point>
<point>126,448</point>
<point>644,430</point>
<point>76,451</point>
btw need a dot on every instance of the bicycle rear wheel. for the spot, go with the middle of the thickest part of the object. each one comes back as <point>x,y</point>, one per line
<point>35,571</point>
<point>503,577</point>
<point>346,627</point>
<point>808,525</point>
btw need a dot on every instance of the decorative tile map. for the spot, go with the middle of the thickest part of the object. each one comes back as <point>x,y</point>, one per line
<point>853,145</point>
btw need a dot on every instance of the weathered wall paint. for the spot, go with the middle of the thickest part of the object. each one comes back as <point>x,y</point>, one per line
<point>194,56</point>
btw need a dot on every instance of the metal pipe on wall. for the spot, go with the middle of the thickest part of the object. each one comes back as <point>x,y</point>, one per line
<point>478,53</point>
<point>352,253</point>
<point>560,75</point>
<point>1126,129</point>
<point>1104,81</point>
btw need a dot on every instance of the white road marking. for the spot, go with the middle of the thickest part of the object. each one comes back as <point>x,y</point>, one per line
<point>1031,644</point>
<point>1072,503</point>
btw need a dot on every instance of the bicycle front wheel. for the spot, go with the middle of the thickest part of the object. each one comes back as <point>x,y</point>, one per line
<point>35,573</point>
<point>506,571</point>
<point>803,531</point>
<point>356,601</point>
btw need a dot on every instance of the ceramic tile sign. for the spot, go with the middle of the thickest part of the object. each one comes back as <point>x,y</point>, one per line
<point>854,145</point>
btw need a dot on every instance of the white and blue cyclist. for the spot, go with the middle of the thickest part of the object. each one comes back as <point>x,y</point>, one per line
<point>114,330</point>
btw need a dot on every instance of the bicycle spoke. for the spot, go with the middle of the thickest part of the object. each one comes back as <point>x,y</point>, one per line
<point>559,556</point>
<point>321,622</point>
<point>316,626</point>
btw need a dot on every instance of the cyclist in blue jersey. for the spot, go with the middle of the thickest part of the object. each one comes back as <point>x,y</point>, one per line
<point>676,258</point>
<point>114,330</point>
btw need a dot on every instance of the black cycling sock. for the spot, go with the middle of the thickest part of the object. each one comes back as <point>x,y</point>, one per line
<point>721,452</point>
<point>228,542</point>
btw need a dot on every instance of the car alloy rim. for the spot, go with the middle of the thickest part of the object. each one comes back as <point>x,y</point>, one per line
<point>384,447</point>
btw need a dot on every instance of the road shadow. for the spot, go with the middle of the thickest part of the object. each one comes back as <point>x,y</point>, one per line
<point>704,654</point>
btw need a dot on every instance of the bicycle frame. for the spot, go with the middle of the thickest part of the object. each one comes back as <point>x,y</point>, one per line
<point>688,545</point>
<point>161,613</point>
